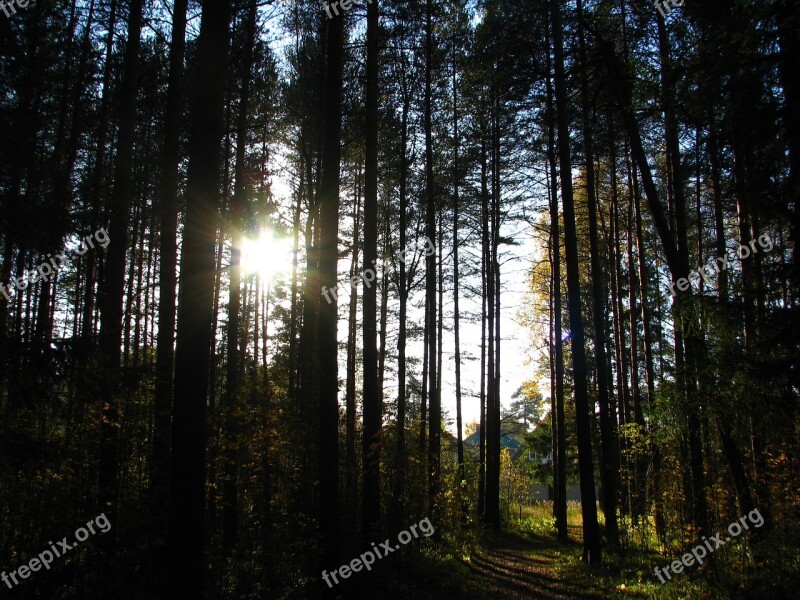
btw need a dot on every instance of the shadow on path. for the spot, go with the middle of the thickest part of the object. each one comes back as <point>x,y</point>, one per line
<point>511,567</point>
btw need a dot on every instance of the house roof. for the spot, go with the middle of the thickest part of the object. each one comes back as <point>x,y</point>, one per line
<point>507,440</point>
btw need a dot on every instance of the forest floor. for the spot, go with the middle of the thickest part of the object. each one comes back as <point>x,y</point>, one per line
<point>508,566</point>
<point>514,565</point>
<point>525,561</point>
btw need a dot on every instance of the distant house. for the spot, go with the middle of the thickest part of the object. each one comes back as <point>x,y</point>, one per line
<point>507,442</point>
<point>542,459</point>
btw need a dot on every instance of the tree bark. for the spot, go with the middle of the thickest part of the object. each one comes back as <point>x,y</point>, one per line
<point>328,311</point>
<point>591,534</point>
<point>371,398</point>
<point>456,315</point>
<point>111,325</point>
<point>350,417</point>
<point>609,450</point>
<point>557,403</point>
<point>403,291</point>
<point>233,382</point>
<point>435,407</point>
<point>168,257</point>
<point>193,340</point>
<point>485,393</point>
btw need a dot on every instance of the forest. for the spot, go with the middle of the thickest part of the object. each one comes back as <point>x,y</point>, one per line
<point>399,299</point>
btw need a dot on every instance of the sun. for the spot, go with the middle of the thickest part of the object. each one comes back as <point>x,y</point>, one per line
<point>265,255</point>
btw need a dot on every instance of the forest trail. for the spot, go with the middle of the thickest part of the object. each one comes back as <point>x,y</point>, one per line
<point>511,567</point>
<point>507,565</point>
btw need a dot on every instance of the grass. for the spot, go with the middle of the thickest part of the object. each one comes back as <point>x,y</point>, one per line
<point>766,569</point>
<point>525,561</point>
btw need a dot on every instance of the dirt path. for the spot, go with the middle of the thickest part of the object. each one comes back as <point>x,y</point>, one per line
<point>510,567</point>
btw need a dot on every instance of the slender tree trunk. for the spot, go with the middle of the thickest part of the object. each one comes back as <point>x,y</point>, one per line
<point>350,481</point>
<point>484,299</point>
<point>591,534</point>
<point>616,289</point>
<point>308,397</point>
<point>640,465</point>
<point>492,440</point>
<point>233,382</point>
<point>559,431</point>
<point>135,240</point>
<point>435,417</point>
<point>440,299</point>
<point>372,404</point>
<point>551,361</point>
<point>403,290</point>
<point>384,313</point>
<point>293,316</point>
<point>328,311</point>
<point>95,187</point>
<point>168,257</point>
<point>456,315</point>
<point>658,508</point>
<point>423,408</point>
<point>609,450</point>
<point>111,328</point>
<point>617,313</point>
<point>212,391</point>
<point>493,454</point>
<point>193,340</point>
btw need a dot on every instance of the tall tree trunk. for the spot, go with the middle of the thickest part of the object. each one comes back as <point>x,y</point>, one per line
<point>193,340</point>
<point>308,396</point>
<point>640,464</point>
<point>135,240</point>
<point>233,382</point>
<point>435,407</point>
<point>484,396</point>
<point>111,328</point>
<point>492,440</point>
<point>648,359</point>
<point>423,408</point>
<point>328,311</point>
<point>559,431</point>
<point>617,315</point>
<point>293,316</point>
<point>371,398</point>
<point>609,466</point>
<point>212,398</point>
<point>591,533</point>
<point>403,291</point>
<point>551,363</point>
<point>97,176</point>
<point>493,454</point>
<point>384,313</point>
<point>350,477</point>
<point>456,315</point>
